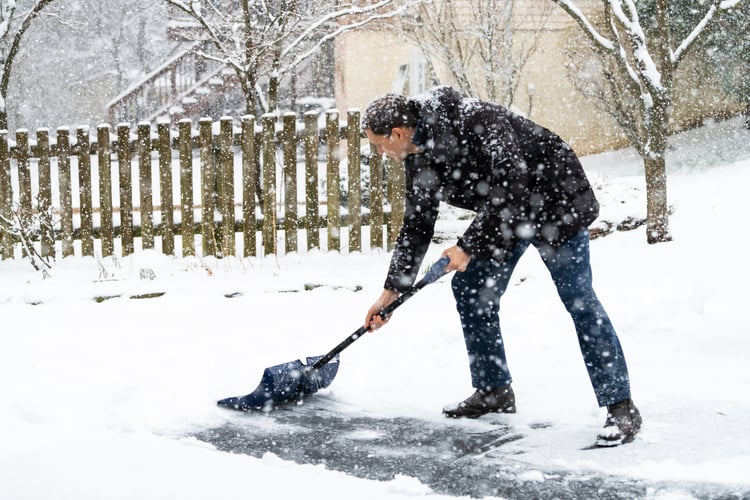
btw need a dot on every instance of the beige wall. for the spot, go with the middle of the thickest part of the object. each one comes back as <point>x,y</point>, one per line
<point>367,65</point>
<point>557,105</point>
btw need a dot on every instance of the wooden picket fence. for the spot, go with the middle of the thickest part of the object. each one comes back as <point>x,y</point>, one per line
<point>244,175</point>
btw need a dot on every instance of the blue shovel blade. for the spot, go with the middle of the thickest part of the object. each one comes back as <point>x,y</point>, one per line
<point>285,383</point>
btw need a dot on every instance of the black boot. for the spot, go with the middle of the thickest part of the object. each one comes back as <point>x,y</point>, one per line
<point>497,400</point>
<point>623,422</point>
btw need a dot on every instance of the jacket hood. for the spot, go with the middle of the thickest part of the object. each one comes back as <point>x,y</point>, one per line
<point>436,111</point>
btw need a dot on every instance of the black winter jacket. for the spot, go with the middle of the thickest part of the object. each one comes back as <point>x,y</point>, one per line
<point>522,180</point>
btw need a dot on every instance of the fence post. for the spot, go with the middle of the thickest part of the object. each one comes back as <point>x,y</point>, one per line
<point>66,194</point>
<point>145,185</point>
<point>86,208</point>
<point>104,155</point>
<point>166,198</point>
<point>207,186</point>
<point>226,185</point>
<point>124,164</point>
<point>332,180</point>
<point>249,169</point>
<point>24,180</point>
<point>312,211</point>
<point>376,200</point>
<point>6,196</point>
<point>354,200</point>
<point>269,183</point>
<point>290,181</point>
<point>396,191</point>
<point>44,198</point>
<point>186,186</point>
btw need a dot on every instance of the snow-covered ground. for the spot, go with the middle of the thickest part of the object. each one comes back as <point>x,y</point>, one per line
<point>96,396</point>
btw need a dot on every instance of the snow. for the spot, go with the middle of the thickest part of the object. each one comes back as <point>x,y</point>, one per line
<point>98,396</point>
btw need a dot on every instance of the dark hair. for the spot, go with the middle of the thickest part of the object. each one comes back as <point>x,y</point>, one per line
<point>389,111</point>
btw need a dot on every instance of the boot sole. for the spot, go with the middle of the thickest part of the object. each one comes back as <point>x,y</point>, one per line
<point>477,414</point>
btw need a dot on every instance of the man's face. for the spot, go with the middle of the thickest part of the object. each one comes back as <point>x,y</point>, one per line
<point>396,146</point>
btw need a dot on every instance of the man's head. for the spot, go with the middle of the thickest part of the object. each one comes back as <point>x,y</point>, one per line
<point>389,123</point>
<point>389,111</point>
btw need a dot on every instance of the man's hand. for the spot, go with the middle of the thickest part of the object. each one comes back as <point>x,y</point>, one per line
<point>459,259</point>
<point>373,321</point>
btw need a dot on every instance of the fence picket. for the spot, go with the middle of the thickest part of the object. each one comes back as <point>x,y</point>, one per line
<point>207,186</point>
<point>333,195</point>
<point>354,200</point>
<point>66,192</point>
<point>225,184</point>
<point>104,155</point>
<point>124,164</point>
<point>44,197</point>
<point>6,196</point>
<point>186,186</point>
<point>376,201</point>
<point>289,140</point>
<point>145,183</point>
<point>396,191</point>
<point>312,212</point>
<point>269,184</point>
<point>165,188</point>
<point>24,179</point>
<point>86,207</point>
<point>249,181</point>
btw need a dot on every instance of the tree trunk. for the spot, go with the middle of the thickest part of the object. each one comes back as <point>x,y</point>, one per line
<point>657,211</point>
<point>3,117</point>
<point>3,95</point>
<point>655,163</point>
<point>12,51</point>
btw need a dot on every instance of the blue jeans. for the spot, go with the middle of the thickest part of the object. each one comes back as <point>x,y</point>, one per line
<point>478,290</point>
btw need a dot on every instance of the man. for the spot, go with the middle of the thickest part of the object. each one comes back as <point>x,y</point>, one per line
<point>527,187</point>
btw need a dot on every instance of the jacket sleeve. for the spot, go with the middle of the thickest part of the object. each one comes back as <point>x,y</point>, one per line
<point>421,205</point>
<point>501,188</point>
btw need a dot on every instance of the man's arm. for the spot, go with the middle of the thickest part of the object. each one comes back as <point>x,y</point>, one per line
<point>420,213</point>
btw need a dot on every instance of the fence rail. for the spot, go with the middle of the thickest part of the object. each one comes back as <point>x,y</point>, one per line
<point>230,187</point>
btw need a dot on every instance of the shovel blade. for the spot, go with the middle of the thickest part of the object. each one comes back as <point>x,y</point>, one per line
<point>285,383</point>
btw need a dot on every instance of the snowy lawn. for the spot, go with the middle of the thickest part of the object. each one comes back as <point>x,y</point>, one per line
<point>97,395</point>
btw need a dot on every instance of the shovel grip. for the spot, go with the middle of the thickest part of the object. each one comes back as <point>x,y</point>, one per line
<point>436,271</point>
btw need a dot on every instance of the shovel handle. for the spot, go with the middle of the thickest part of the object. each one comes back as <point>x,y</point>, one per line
<point>436,271</point>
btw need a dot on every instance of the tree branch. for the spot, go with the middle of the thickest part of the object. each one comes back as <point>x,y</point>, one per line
<point>689,40</point>
<point>600,41</point>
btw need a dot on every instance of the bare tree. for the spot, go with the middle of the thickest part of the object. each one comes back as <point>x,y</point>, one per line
<point>640,71</point>
<point>477,42</point>
<point>267,40</point>
<point>79,54</point>
<point>14,21</point>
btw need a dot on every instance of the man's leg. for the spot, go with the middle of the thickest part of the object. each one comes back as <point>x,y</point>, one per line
<point>570,268</point>
<point>477,292</point>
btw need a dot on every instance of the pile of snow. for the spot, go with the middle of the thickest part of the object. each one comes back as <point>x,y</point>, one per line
<point>98,388</point>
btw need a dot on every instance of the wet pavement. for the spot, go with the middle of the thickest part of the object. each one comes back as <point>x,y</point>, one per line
<point>452,458</point>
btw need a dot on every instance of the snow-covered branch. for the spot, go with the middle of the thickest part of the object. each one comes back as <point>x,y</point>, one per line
<point>631,23</point>
<point>717,6</point>
<point>588,28</point>
<point>351,11</point>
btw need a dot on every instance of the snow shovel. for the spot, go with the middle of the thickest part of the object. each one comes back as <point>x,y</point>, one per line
<point>291,382</point>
